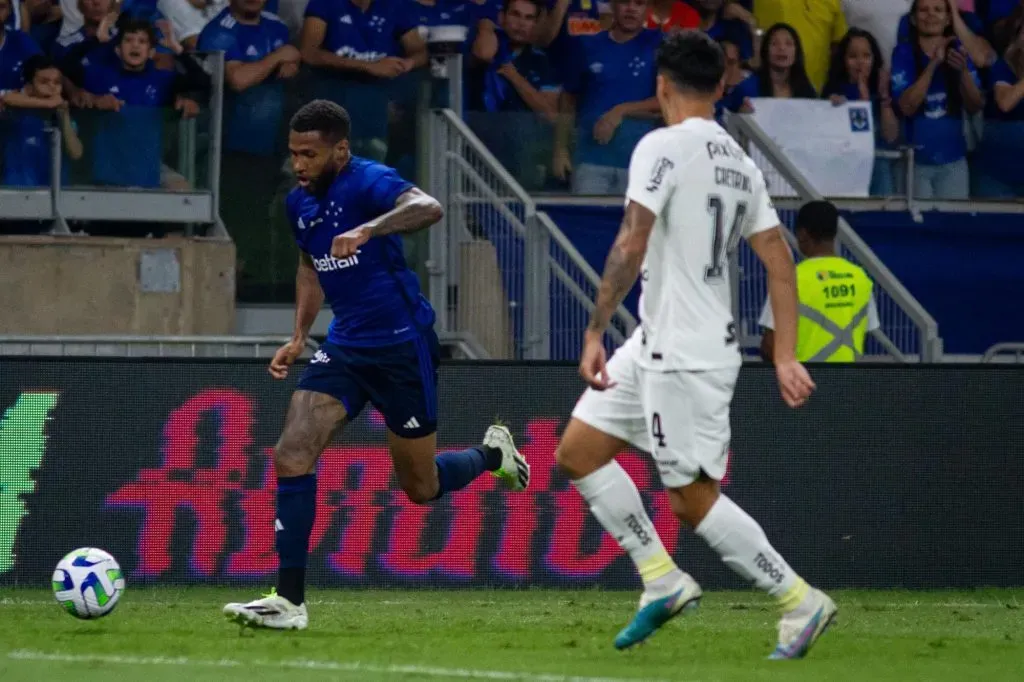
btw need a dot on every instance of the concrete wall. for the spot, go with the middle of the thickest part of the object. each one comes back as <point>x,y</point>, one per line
<point>97,285</point>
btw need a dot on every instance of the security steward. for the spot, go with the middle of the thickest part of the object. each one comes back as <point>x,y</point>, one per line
<point>837,308</point>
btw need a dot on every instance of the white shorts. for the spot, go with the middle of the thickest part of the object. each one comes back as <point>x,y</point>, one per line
<point>681,418</point>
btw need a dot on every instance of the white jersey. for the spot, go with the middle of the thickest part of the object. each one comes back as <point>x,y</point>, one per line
<point>707,194</point>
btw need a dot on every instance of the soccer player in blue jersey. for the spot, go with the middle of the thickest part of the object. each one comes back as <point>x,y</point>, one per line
<point>348,214</point>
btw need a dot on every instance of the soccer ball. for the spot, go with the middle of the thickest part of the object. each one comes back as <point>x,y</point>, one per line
<point>88,583</point>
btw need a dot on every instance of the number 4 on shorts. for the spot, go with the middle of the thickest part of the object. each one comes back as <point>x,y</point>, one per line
<point>656,430</point>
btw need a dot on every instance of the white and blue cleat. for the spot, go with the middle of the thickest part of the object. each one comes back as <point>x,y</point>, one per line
<point>655,612</point>
<point>798,633</point>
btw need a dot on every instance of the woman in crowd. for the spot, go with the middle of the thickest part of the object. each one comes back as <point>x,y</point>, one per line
<point>781,72</point>
<point>998,172</point>
<point>935,83</point>
<point>858,74</point>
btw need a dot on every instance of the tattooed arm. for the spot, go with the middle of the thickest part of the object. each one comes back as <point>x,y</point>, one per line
<point>620,273</point>
<point>623,265</point>
<point>414,210</point>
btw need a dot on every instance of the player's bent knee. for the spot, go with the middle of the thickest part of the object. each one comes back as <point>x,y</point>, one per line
<point>584,449</point>
<point>293,460</point>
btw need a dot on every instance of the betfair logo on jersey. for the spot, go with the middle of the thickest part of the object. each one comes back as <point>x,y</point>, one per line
<point>661,166</point>
<point>330,263</point>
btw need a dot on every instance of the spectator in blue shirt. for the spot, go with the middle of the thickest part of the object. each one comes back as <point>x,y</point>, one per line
<point>257,62</point>
<point>857,74</point>
<point>934,83</point>
<point>966,26</point>
<point>781,72</point>
<point>128,143</point>
<point>722,29</point>
<point>95,41</point>
<point>997,171</point>
<point>565,22</point>
<point>514,97</point>
<point>31,112</point>
<point>360,50</point>
<point>15,48</point>
<point>609,99</point>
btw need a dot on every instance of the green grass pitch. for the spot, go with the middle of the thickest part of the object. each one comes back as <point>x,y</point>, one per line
<point>179,634</point>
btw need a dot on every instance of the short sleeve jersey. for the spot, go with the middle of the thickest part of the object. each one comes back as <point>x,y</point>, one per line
<point>707,194</point>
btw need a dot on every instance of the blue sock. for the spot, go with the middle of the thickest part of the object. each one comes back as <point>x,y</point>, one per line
<point>296,508</point>
<point>456,470</point>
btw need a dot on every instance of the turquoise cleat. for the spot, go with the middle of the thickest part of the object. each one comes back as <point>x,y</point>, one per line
<point>656,613</point>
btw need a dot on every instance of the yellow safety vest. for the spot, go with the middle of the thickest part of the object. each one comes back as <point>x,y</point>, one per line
<point>834,296</point>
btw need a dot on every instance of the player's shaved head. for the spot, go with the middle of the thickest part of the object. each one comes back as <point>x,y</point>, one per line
<point>324,117</point>
<point>692,62</point>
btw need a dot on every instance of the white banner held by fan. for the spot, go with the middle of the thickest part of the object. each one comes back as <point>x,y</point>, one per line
<point>833,147</point>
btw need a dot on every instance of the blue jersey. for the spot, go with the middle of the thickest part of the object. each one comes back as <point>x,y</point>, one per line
<point>15,48</point>
<point>367,36</point>
<point>252,118</point>
<point>128,145</point>
<point>938,133</point>
<point>90,49</point>
<point>443,13</point>
<point>532,63</point>
<point>375,297</point>
<point>604,74</point>
<point>27,149</point>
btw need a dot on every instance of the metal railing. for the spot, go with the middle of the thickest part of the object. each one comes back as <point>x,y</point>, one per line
<point>908,332</point>
<point>500,271</point>
<point>117,346</point>
<point>58,204</point>
<point>1003,352</point>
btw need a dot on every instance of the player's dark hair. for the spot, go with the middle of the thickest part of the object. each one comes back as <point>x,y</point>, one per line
<point>538,5</point>
<point>820,219</point>
<point>133,25</point>
<point>35,64</point>
<point>692,61</point>
<point>324,117</point>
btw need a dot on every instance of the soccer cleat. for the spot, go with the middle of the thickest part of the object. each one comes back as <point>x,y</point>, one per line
<point>514,470</point>
<point>798,633</point>
<point>272,611</point>
<point>653,613</point>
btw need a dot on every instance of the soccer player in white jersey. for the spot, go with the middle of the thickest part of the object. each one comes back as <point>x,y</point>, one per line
<point>693,194</point>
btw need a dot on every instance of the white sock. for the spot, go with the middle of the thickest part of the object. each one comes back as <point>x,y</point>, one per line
<point>743,546</point>
<point>615,502</point>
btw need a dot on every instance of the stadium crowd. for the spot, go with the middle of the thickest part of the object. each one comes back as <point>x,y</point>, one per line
<point>560,90</point>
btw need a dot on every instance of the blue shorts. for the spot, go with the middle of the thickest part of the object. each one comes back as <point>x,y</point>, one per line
<point>400,381</point>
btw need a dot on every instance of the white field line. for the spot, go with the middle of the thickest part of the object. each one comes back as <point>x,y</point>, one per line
<point>397,670</point>
<point>764,604</point>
